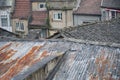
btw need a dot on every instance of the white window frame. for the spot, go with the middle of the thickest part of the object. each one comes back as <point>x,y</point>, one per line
<point>19,27</point>
<point>4,17</point>
<point>57,16</point>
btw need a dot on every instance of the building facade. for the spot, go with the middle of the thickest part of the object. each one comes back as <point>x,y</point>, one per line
<point>87,11</point>
<point>21,16</point>
<point>110,9</point>
<point>39,15</point>
<point>6,8</point>
<point>60,14</point>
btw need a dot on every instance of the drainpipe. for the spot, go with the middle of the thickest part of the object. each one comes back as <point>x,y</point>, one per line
<point>66,4</point>
<point>66,18</point>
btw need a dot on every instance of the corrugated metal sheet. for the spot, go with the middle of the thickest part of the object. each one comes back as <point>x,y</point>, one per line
<point>90,62</point>
<point>20,59</point>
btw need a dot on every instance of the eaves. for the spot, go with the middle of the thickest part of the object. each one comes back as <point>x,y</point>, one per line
<point>116,8</point>
<point>86,14</point>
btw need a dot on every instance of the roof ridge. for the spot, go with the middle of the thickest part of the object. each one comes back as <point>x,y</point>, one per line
<point>70,28</point>
<point>110,44</point>
<point>98,43</point>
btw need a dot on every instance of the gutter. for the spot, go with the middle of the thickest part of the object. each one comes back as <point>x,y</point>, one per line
<point>86,14</point>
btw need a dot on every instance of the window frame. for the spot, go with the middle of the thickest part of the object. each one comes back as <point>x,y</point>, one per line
<point>115,14</point>
<point>57,16</point>
<point>20,26</point>
<point>6,23</point>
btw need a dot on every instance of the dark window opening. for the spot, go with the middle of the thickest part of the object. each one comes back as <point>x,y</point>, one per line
<point>41,5</point>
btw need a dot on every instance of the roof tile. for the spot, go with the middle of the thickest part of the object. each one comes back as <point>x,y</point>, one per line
<point>22,9</point>
<point>39,18</point>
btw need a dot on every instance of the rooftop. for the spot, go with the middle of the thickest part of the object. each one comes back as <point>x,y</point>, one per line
<point>15,57</point>
<point>2,2</point>
<point>89,62</point>
<point>89,7</point>
<point>114,4</point>
<point>6,33</point>
<point>51,0</point>
<point>107,31</point>
<point>22,9</point>
<point>79,62</point>
<point>61,4</point>
<point>39,18</point>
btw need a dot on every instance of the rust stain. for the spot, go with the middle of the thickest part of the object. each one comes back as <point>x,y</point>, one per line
<point>5,67</point>
<point>7,54</point>
<point>44,54</point>
<point>17,44</point>
<point>6,46</point>
<point>27,60</point>
<point>101,63</point>
<point>3,57</point>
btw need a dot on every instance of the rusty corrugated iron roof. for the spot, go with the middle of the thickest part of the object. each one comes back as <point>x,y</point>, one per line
<point>90,62</point>
<point>20,59</point>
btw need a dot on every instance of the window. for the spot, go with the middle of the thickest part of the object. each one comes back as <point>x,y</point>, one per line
<point>113,14</point>
<point>4,20</point>
<point>43,33</point>
<point>42,5</point>
<point>104,15</point>
<point>58,16</point>
<point>19,26</point>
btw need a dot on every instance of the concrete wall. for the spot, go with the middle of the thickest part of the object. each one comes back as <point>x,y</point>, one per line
<point>35,6</point>
<point>80,19</point>
<point>67,19</point>
<point>52,32</point>
<point>22,32</point>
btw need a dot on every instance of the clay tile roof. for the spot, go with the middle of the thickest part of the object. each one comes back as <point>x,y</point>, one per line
<point>89,7</point>
<point>111,4</point>
<point>22,9</point>
<point>39,18</point>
